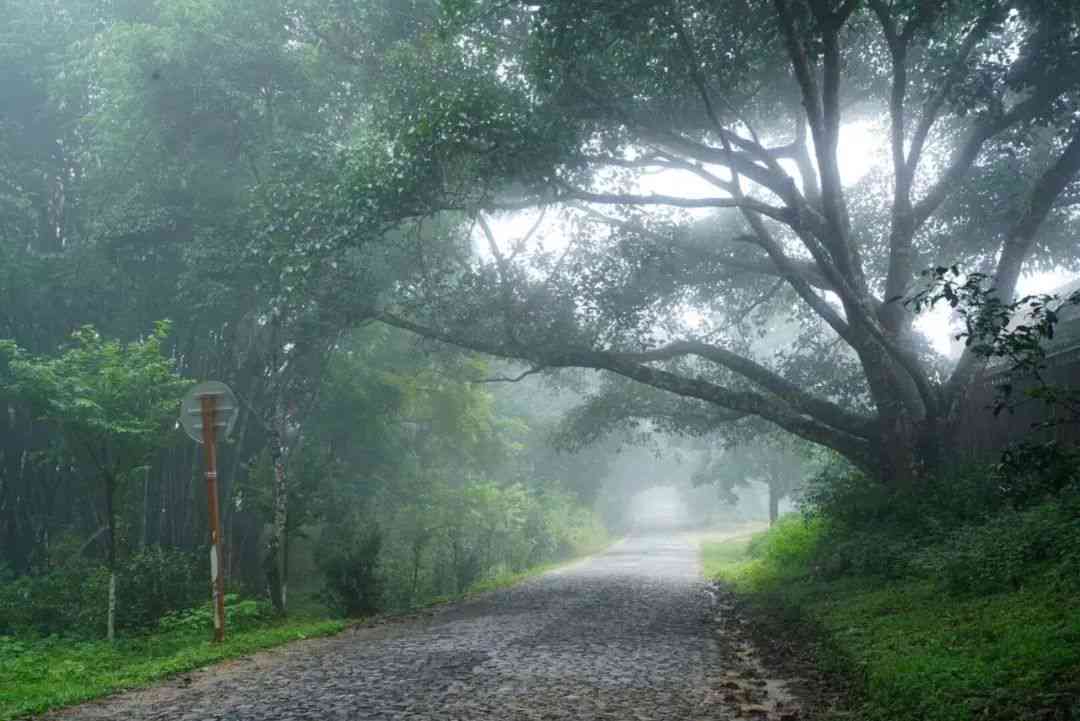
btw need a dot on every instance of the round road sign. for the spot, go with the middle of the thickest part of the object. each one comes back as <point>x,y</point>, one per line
<point>226,409</point>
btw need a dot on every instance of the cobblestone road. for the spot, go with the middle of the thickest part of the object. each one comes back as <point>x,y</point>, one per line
<point>628,635</point>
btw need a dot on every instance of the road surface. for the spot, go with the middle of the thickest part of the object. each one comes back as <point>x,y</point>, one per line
<point>627,635</point>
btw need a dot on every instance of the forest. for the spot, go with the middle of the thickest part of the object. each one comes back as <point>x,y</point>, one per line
<point>501,285</point>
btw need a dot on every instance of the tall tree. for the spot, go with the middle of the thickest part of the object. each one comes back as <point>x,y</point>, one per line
<point>574,107</point>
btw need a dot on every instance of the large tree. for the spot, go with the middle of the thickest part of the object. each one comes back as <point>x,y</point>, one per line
<point>584,109</point>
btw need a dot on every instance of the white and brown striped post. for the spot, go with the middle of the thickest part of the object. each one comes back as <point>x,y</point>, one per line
<point>208,402</point>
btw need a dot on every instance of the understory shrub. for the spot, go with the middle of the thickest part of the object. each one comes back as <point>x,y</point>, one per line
<point>157,581</point>
<point>50,603</point>
<point>240,613</point>
<point>791,544</point>
<point>72,598</point>
<point>454,538</point>
<point>350,567</point>
<point>981,529</point>
<point>1008,551</point>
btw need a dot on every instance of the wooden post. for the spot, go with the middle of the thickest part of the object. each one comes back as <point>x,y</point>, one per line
<point>209,434</point>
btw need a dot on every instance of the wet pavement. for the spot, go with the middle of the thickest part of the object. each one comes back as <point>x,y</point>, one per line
<point>631,634</point>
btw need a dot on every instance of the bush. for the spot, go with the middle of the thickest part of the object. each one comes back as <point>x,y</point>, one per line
<point>55,602</point>
<point>350,566</point>
<point>239,614</point>
<point>875,530</point>
<point>1008,551</point>
<point>790,545</point>
<point>157,581</point>
<point>72,598</point>
<point>1031,473</point>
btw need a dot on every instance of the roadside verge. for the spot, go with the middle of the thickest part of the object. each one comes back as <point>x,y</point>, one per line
<point>903,649</point>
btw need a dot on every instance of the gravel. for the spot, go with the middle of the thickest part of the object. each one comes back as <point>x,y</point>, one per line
<point>628,635</point>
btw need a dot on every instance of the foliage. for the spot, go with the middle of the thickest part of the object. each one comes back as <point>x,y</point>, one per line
<point>110,399</point>
<point>460,537</point>
<point>240,614</point>
<point>201,161</point>
<point>788,550</point>
<point>52,602</point>
<point>1009,552</point>
<point>791,546</point>
<point>41,673</point>
<point>1019,333</point>
<point>70,599</point>
<point>939,605</point>
<point>697,200</point>
<point>157,581</point>
<point>913,650</point>
<point>350,565</point>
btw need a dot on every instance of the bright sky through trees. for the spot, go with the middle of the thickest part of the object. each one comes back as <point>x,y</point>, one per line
<point>863,147</point>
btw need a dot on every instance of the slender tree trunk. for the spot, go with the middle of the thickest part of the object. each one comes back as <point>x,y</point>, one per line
<point>146,507</point>
<point>275,566</point>
<point>110,512</point>
<point>417,551</point>
<point>774,502</point>
<point>284,552</point>
<point>111,633</point>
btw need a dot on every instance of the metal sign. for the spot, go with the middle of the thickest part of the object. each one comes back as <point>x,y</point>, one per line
<point>226,410</point>
<point>207,409</point>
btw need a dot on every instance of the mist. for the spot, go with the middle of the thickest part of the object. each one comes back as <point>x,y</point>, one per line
<point>576,359</point>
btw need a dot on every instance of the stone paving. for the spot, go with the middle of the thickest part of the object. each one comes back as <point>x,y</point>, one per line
<point>628,635</point>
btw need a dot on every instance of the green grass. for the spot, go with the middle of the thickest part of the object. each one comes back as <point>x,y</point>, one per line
<point>37,675</point>
<point>915,651</point>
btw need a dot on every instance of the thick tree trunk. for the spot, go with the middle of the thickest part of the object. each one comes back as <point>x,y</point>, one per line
<point>913,452</point>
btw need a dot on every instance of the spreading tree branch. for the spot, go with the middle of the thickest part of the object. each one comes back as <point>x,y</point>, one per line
<point>857,449</point>
<point>769,380</point>
<point>763,266</point>
<point>512,379</point>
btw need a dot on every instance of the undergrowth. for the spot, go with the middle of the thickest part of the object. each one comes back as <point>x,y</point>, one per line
<point>982,623</point>
<point>37,674</point>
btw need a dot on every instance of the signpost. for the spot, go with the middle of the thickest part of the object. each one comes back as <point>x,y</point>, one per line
<point>205,409</point>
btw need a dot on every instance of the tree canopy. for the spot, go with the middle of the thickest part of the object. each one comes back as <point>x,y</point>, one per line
<point>690,158</point>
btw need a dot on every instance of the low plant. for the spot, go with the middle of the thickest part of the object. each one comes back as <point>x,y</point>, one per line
<point>1008,552</point>
<point>909,649</point>
<point>240,613</point>
<point>72,598</point>
<point>350,567</point>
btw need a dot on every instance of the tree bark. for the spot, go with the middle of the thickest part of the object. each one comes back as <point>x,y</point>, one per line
<point>111,633</point>
<point>417,552</point>
<point>110,512</point>
<point>774,502</point>
<point>275,550</point>
<point>146,508</point>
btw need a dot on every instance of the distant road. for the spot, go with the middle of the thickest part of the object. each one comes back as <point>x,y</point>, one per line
<point>627,635</point>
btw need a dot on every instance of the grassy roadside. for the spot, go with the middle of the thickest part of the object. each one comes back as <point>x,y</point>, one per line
<point>40,674</point>
<point>911,649</point>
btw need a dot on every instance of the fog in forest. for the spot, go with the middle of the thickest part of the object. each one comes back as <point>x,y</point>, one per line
<point>333,315</point>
